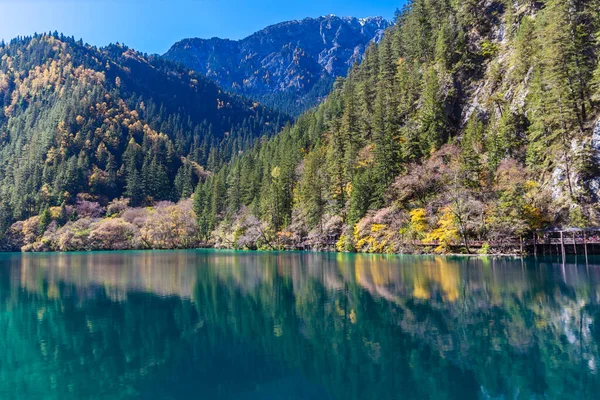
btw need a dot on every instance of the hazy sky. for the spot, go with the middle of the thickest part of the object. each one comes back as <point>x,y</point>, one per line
<point>152,26</point>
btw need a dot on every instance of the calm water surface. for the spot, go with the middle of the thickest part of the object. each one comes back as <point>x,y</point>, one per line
<point>229,325</point>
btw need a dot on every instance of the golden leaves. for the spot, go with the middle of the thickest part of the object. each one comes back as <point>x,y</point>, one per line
<point>446,233</point>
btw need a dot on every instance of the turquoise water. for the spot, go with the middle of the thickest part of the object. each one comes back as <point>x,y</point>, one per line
<point>232,325</point>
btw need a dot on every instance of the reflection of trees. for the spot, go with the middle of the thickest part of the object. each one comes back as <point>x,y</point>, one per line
<point>513,331</point>
<point>150,347</point>
<point>162,273</point>
<point>360,326</point>
<point>52,346</point>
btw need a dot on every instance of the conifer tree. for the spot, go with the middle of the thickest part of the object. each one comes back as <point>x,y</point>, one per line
<point>312,190</point>
<point>432,118</point>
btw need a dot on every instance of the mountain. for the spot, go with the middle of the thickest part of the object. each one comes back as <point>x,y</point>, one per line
<point>290,66</point>
<point>470,126</point>
<point>103,123</point>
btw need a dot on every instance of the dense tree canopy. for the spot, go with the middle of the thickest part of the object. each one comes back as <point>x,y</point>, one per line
<point>110,122</point>
<point>478,113</point>
<point>469,121</point>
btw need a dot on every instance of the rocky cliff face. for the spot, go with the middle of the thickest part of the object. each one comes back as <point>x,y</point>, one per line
<point>291,65</point>
<point>594,181</point>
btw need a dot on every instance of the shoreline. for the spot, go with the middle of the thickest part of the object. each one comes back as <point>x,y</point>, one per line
<point>247,251</point>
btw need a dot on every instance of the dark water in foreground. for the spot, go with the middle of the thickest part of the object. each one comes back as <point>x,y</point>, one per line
<point>227,325</point>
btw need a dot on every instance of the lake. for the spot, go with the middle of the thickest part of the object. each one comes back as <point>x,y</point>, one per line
<point>239,325</point>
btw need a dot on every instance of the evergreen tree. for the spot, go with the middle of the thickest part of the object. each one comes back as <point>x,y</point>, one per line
<point>45,219</point>
<point>432,118</point>
<point>313,190</point>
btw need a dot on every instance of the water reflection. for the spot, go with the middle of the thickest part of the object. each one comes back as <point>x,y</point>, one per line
<point>206,324</point>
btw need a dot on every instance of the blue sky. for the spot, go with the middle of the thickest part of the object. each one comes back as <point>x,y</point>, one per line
<point>152,26</point>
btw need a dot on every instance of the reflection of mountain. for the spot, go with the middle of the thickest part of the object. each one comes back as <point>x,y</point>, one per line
<point>358,326</point>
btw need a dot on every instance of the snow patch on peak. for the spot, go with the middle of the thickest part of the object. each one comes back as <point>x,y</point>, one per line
<point>368,20</point>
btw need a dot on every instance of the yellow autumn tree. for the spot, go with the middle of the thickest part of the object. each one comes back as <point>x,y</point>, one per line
<point>418,223</point>
<point>446,233</point>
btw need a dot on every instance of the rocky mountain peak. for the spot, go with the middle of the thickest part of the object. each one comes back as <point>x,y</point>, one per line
<point>290,65</point>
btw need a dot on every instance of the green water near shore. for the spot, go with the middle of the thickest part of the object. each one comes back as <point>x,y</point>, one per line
<point>240,325</point>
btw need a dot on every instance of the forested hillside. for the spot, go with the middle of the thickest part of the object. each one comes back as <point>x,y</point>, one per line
<point>470,121</point>
<point>111,122</point>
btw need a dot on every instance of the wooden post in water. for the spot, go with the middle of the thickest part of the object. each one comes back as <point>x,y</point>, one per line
<point>562,244</point>
<point>521,239</point>
<point>544,249</point>
<point>585,247</point>
<point>534,244</point>
<point>574,244</point>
